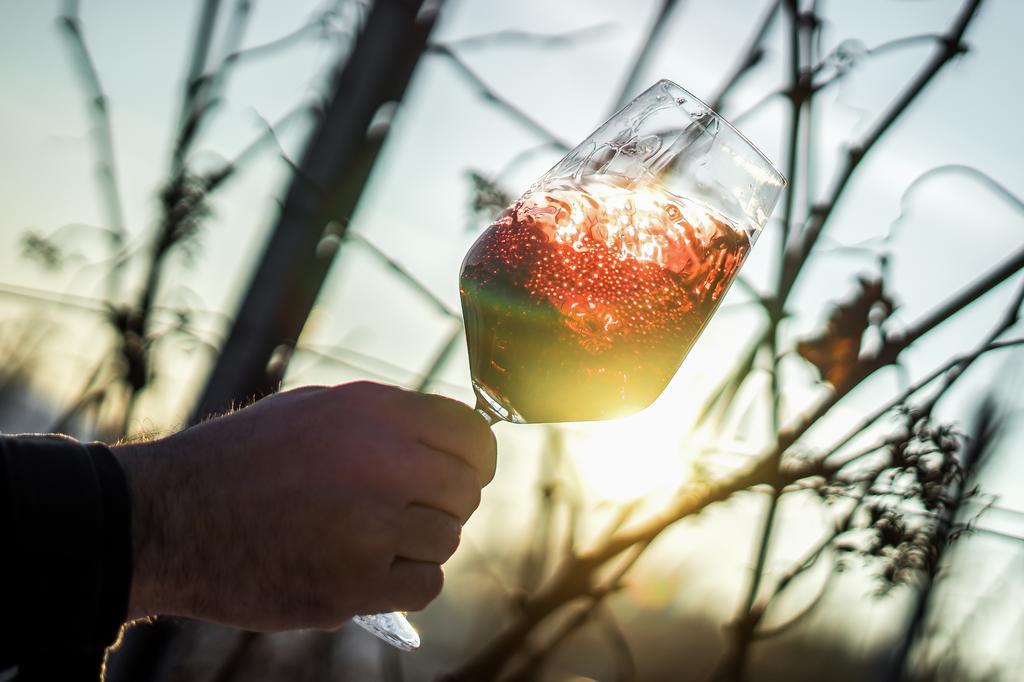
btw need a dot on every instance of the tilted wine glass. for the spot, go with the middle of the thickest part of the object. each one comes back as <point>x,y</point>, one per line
<point>582,299</point>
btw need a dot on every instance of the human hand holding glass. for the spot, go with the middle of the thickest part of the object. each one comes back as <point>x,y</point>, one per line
<point>583,298</point>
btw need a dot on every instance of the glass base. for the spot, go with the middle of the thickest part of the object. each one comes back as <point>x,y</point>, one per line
<point>393,628</point>
<point>490,404</point>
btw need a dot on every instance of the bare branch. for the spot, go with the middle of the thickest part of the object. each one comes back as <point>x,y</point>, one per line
<point>233,37</point>
<point>103,139</point>
<point>507,37</point>
<point>1010,318</point>
<point>971,172</point>
<point>492,96</point>
<point>195,102</point>
<point>532,667</point>
<point>734,661</point>
<point>840,527</point>
<point>214,180</point>
<point>320,22</point>
<point>799,616</point>
<point>901,399</point>
<point>951,47</point>
<point>399,271</point>
<point>654,36</point>
<point>620,645</point>
<point>721,398</point>
<point>750,57</point>
<point>573,579</point>
<point>979,288</point>
<point>842,64</point>
<point>441,358</point>
<point>537,548</point>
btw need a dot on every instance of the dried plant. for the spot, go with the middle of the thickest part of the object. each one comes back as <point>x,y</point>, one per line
<point>895,501</point>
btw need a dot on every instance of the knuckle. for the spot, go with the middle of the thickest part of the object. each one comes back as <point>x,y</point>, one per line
<point>362,391</point>
<point>301,390</point>
<point>475,497</point>
<point>454,537</point>
<point>491,461</point>
<point>470,486</point>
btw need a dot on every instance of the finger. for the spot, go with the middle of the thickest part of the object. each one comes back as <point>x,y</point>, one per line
<point>306,388</point>
<point>444,482</point>
<point>413,584</point>
<point>300,390</point>
<point>426,534</point>
<point>450,426</point>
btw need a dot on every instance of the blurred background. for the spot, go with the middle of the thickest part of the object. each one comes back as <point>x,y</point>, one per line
<point>205,200</point>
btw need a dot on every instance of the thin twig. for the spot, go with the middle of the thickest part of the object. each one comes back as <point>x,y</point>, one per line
<point>236,55</point>
<point>195,103</point>
<point>734,662</point>
<point>819,86</point>
<point>532,668</point>
<point>952,371</point>
<point>444,354</point>
<point>654,36</point>
<point>233,36</point>
<point>403,274</point>
<point>507,37</point>
<point>103,138</point>
<point>827,467</point>
<point>750,57</point>
<point>492,96</point>
<point>802,248</point>
<point>572,579</point>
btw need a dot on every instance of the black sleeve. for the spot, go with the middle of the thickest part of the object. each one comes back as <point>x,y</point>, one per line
<point>65,566</point>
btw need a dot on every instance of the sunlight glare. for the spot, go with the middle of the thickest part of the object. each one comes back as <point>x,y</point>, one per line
<point>630,458</point>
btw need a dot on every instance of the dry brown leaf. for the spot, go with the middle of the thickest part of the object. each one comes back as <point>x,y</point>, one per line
<point>835,351</point>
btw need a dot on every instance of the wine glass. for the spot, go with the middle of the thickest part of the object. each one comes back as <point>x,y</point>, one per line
<point>582,299</point>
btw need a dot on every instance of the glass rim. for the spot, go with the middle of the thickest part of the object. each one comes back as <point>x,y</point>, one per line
<point>764,157</point>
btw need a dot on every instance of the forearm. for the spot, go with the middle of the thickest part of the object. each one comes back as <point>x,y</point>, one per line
<point>186,534</point>
<point>146,593</point>
<point>165,526</point>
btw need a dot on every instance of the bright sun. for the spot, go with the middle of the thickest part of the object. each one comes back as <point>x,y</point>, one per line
<point>638,456</point>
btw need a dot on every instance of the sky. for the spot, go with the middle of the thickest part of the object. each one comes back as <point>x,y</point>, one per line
<point>416,207</point>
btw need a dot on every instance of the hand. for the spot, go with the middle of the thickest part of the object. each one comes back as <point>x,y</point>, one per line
<point>306,508</point>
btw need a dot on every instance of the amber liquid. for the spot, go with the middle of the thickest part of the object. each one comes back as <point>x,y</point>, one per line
<point>582,300</point>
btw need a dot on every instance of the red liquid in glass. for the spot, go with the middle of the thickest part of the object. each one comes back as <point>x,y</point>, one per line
<point>581,301</point>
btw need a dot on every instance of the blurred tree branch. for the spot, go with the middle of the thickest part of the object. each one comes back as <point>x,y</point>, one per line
<point>103,137</point>
<point>491,95</point>
<point>742,629</point>
<point>576,577</point>
<point>651,40</point>
<point>506,37</point>
<point>950,47</point>
<point>749,59</point>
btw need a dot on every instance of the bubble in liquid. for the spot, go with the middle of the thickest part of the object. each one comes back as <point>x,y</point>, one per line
<point>584,304</point>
